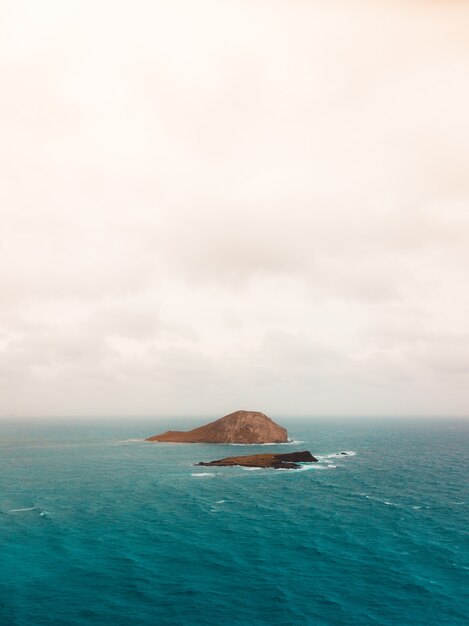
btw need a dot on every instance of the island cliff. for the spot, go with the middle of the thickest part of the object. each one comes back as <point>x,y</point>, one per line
<point>238,427</point>
<point>276,461</point>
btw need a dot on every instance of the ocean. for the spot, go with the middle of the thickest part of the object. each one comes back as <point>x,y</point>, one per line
<point>99,527</point>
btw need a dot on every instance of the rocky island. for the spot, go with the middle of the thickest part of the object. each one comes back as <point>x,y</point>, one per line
<point>237,427</point>
<point>290,460</point>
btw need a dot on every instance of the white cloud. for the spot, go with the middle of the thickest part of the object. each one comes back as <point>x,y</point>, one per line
<point>240,204</point>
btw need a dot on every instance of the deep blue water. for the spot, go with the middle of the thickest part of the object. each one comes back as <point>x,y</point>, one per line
<point>97,529</point>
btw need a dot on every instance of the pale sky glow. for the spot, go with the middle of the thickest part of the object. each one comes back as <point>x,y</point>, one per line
<point>215,205</point>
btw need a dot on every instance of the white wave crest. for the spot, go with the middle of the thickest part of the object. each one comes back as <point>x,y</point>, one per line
<point>317,466</point>
<point>29,508</point>
<point>124,442</point>
<point>202,474</point>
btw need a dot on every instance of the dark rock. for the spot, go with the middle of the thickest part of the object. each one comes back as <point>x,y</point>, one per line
<point>276,461</point>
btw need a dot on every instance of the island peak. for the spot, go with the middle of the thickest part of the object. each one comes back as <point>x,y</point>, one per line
<point>238,427</point>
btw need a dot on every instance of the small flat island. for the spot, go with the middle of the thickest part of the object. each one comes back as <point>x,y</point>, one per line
<point>290,460</point>
<point>237,427</point>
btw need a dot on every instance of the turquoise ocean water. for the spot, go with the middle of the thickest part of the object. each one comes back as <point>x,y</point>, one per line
<point>98,527</point>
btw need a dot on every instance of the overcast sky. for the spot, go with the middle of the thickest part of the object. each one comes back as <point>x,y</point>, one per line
<point>224,204</point>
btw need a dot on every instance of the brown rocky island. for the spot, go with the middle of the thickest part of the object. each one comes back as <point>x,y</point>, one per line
<point>276,461</point>
<point>238,427</point>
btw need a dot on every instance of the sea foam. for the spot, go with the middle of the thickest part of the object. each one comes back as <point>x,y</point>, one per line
<point>202,474</point>
<point>29,508</point>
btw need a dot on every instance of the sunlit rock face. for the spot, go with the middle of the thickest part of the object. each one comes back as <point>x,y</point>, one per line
<point>237,427</point>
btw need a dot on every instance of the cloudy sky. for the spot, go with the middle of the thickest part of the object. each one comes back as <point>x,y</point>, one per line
<point>225,204</point>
